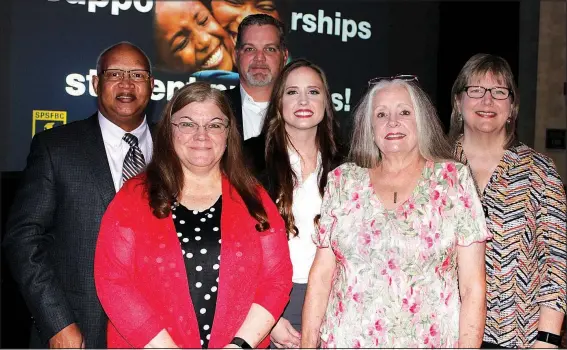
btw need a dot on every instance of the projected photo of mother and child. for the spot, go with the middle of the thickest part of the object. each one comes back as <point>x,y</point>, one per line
<point>199,37</point>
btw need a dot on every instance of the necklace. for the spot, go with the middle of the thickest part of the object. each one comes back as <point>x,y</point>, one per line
<point>392,187</point>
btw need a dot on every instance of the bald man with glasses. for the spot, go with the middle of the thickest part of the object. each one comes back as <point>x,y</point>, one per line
<point>72,174</point>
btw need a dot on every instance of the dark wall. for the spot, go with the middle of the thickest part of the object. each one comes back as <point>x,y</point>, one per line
<point>14,318</point>
<point>5,10</point>
<point>470,27</point>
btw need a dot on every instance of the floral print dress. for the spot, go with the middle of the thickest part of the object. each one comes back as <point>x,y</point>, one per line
<point>396,282</point>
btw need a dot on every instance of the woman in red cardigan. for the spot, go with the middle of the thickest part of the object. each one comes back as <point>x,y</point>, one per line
<point>193,253</point>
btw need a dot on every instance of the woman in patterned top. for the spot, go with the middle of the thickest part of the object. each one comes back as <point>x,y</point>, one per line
<point>401,238</point>
<point>524,205</point>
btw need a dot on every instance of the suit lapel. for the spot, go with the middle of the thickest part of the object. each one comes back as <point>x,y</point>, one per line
<point>153,130</point>
<point>236,101</point>
<point>96,153</point>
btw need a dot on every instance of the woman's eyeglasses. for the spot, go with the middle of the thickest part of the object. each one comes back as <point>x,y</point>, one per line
<point>215,128</point>
<point>498,92</point>
<point>404,77</point>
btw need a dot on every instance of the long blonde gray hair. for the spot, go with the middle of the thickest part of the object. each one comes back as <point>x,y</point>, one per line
<point>432,143</point>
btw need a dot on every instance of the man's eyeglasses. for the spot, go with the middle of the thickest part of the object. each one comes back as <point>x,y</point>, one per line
<point>137,75</point>
<point>404,77</point>
<point>498,93</point>
<point>214,128</point>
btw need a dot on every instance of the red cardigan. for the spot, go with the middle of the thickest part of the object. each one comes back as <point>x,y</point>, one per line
<point>142,283</point>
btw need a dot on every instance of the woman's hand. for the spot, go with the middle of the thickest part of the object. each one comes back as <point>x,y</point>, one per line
<point>283,335</point>
<point>470,262</point>
<point>317,296</point>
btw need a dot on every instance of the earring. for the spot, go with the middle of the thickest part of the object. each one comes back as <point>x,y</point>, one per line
<point>460,118</point>
<point>508,121</point>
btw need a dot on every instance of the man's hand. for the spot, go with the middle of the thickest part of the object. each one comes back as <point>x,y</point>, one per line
<point>68,337</point>
<point>283,335</point>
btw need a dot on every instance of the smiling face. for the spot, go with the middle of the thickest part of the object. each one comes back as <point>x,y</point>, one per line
<point>202,150</point>
<point>260,58</point>
<point>229,13</point>
<point>303,100</point>
<point>394,122</point>
<point>486,114</point>
<point>189,38</point>
<point>123,102</point>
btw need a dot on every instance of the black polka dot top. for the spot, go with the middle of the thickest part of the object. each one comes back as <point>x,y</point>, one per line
<point>200,238</point>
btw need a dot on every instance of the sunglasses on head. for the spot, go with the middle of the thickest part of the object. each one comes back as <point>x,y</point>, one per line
<point>404,77</point>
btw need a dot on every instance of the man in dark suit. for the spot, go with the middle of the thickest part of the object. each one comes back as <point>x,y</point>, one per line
<point>72,174</point>
<point>261,53</point>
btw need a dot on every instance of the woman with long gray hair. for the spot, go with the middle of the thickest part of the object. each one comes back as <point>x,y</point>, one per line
<point>401,237</point>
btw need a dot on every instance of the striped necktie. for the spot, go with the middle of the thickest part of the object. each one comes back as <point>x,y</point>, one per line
<point>134,161</point>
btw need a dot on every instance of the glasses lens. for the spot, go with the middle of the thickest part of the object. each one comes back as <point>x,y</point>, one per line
<point>374,81</point>
<point>139,75</point>
<point>216,128</point>
<point>113,74</point>
<point>187,128</point>
<point>476,91</point>
<point>500,93</point>
<point>404,77</point>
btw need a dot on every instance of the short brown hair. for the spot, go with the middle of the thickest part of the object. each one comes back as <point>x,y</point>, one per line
<point>478,66</point>
<point>164,180</point>
<point>260,19</point>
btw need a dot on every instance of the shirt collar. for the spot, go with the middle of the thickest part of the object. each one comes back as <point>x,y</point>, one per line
<point>246,97</point>
<point>294,158</point>
<point>113,134</point>
<point>295,162</point>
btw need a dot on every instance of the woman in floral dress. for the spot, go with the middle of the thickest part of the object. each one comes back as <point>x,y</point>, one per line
<point>401,242</point>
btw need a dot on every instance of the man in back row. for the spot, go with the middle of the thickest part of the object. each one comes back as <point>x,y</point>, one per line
<point>72,174</point>
<point>261,54</point>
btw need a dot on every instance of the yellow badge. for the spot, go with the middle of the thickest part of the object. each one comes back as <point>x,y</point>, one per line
<point>43,120</point>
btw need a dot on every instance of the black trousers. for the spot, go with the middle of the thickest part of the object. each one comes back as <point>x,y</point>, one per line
<point>293,309</point>
<point>488,345</point>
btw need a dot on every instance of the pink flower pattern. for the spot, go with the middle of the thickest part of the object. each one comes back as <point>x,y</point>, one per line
<point>396,279</point>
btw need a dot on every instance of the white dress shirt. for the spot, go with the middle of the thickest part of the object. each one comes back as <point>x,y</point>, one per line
<point>306,205</point>
<point>253,114</point>
<point>116,148</point>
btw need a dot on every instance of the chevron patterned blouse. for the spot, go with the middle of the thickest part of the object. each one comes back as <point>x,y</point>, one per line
<point>524,205</point>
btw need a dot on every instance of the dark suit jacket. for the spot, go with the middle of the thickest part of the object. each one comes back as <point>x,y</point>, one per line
<point>53,227</point>
<point>254,149</point>
<point>236,104</point>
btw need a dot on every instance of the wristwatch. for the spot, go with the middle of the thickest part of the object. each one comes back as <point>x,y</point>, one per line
<point>241,343</point>
<point>549,338</point>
